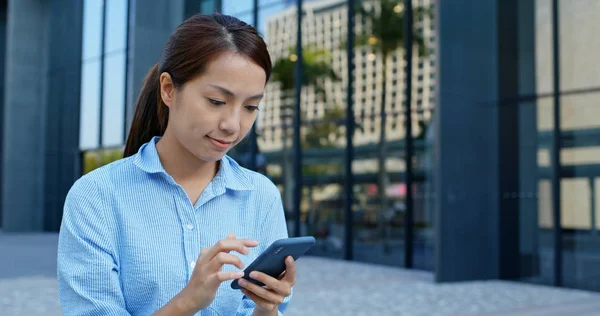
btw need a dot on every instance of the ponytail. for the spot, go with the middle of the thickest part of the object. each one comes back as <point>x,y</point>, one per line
<point>150,116</point>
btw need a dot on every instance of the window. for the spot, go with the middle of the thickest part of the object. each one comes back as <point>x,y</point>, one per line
<point>110,60</point>
<point>90,73</point>
<point>113,99</point>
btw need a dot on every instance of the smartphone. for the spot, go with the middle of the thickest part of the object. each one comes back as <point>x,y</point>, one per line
<point>272,260</point>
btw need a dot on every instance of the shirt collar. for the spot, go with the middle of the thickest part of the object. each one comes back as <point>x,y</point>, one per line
<point>229,176</point>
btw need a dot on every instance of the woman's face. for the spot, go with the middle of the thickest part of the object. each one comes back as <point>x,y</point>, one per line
<point>213,112</point>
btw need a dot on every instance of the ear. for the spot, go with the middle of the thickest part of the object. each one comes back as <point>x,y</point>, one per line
<point>167,89</point>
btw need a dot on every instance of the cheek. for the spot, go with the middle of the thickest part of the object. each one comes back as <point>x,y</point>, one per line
<point>246,123</point>
<point>196,120</point>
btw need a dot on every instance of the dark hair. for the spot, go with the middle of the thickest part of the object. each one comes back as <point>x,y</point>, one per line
<point>197,41</point>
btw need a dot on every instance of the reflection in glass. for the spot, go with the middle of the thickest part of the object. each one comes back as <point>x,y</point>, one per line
<point>536,246</point>
<point>236,7</point>
<point>92,29</point>
<point>116,25</point>
<point>580,158</point>
<point>114,100</point>
<point>274,123</point>
<point>90,103</point>
<point>543,45</point>
<point>379,106</point>
<point>578,38</point>
<point>323,218</point>
<point>268,9</point>
<point>90,73</point>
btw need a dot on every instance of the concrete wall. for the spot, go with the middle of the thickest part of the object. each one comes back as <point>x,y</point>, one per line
<point>3,11</point>
<point>466,152</point>
<point>150,25</point>
<point>63,99</point>
<point>41,113</point>
<point>23,151</point>
<point>40,141</point>
<point>483,155</point>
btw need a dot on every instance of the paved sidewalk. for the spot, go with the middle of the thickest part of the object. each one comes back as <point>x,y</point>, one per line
<point>325,287</point>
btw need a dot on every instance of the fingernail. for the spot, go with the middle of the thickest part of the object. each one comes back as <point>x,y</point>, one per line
<point>254,274</point>
<point>239,274</point>
<point>254,242</point>
<point>243,282</point>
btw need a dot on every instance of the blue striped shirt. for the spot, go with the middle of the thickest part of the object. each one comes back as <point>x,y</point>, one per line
<point>130,236</point>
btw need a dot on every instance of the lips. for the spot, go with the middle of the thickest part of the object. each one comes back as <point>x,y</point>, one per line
<point>220,144</point>
<point>221,141</point>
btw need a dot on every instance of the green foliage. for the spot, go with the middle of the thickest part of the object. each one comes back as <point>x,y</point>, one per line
<point>387,26</point>
<point>90,162</point>
<point>321,169</point>
<point>94,159</point>
<point>316,66</point>
<point>325,133</point>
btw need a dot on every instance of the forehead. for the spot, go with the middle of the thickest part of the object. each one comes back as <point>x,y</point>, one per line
<point>236,73</point>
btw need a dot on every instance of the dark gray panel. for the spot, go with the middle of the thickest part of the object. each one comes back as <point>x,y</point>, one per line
<point>466,152</point>
<point>528,143</point>
<point>3,12</point>
<point>151,24</point>
<point>24,112</point>
<point>62,119</point>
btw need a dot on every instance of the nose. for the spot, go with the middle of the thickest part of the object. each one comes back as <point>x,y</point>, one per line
<point>230,122</point>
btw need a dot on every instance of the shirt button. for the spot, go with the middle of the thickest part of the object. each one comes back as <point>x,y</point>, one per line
<point>192,264</point>
<point>190,226</point>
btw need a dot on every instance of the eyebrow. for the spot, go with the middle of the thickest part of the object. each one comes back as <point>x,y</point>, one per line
<point>231,94</point>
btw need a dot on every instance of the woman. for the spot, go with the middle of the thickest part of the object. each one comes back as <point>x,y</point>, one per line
<point>156,232</point>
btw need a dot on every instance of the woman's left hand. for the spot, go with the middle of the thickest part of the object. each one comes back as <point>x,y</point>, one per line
<point>269,297</point>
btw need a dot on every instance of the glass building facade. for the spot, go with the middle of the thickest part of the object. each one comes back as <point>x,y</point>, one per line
<point>475,154</point>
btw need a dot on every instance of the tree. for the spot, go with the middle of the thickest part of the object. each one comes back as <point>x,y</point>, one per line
<point>325,133</point>
<point>385,36</point>
<point>316,68</point>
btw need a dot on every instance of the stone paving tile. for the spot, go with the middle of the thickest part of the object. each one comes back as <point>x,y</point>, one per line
<point>29,296</point>
<point>360,289</point>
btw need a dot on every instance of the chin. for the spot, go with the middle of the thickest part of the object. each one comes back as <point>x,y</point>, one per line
<point>211,157</point>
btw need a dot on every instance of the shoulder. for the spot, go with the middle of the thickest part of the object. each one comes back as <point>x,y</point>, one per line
<point>110,173</point>
<point>96,182</point>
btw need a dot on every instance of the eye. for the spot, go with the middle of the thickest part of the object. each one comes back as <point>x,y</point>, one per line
<point>215,102</point>
<point>252,108</point>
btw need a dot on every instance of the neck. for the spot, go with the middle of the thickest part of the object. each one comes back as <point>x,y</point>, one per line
<point>182,165</point>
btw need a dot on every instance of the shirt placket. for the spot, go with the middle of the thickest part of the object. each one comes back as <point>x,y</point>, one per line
<point>190,230</point>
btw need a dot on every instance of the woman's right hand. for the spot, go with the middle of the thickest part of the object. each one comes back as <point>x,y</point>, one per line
<point>208,274</point>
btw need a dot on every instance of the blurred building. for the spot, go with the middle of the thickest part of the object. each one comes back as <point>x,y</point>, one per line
<point>325,28</point>
<point>485,205</point>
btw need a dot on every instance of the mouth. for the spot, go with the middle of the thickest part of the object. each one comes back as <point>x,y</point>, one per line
<point>220,144</point>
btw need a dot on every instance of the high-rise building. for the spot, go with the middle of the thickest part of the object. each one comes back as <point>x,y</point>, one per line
<point>324,27</point>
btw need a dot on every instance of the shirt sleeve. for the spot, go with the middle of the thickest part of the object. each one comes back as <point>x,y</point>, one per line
<point>274,227</point>
<point>87,269</point>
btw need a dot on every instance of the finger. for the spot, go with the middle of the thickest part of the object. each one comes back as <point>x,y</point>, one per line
<point>290,270</point>
<point>280,287</point>
<point>227,245</point>
<point>216,278</point>
<point>224,258</point>
<point>258,300</point>
<point>268,295</point>
<point>231,235</point>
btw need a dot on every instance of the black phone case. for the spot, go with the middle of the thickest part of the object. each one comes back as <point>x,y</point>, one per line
<point>272,260</point>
